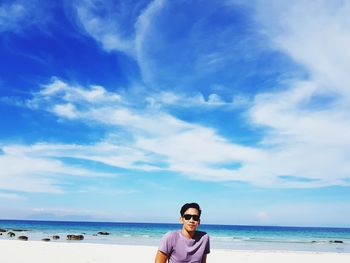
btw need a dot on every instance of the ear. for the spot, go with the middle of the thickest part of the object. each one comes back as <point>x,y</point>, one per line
<point>181,220</point>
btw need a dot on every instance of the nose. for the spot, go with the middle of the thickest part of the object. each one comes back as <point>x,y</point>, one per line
<point>192,220</point>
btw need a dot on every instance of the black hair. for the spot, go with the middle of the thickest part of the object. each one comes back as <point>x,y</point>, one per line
<point>190,205</point>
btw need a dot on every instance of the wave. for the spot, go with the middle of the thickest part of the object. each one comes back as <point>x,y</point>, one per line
<point>276,240</point>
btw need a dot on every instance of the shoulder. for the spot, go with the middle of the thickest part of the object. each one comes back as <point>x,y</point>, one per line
<point>202,237</point>
<point>202,234</point>
<point>170,235</point>
<point>167,242</point>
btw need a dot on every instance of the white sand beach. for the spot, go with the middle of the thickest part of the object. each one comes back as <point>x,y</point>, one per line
<point>14,251</point>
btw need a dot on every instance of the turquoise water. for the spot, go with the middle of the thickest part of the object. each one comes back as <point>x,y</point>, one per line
<point>221,236</point>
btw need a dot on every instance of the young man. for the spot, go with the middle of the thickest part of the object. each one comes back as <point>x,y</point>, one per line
<point>185,245</point>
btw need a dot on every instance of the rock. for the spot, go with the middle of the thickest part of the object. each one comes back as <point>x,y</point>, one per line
<point>19,230</point>
<point>75,237</point>
<point>24,238</point>
<point>2,230</point>
<point>336,241</point>
<point>55,237</point>
<point>103,233</point>
<point>11,234</point>
<point>46,239</point>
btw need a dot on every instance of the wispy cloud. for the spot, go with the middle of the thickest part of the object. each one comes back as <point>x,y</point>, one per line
<point>121,26</point>
<point>12,14</point>
<point>109,192</point>
<point>307,123</point>
<point>144,31</point>
<point>147,146</point>
<point>38,171</point>
<point>10,196</point>
<point>197,100</point>
<point>18,15</point>
<point>199,152</point>
<point>305,138</point>
<point>111,24</point>
<point>190,51</point>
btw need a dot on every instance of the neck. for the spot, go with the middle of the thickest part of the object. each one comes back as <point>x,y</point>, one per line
<point>188,234</point>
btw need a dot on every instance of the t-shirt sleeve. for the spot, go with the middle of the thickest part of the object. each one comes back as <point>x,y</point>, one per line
<point>166,243</point>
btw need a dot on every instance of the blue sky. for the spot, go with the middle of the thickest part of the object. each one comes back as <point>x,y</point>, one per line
<point>124,110</point>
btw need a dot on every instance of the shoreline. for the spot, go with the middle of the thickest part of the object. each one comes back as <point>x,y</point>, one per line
<point>242,238</point>
<point>128,240</point>
<point>37,251</point>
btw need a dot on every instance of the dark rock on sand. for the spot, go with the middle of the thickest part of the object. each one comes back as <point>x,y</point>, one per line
<point>2,230</point>
<point>11,234</point>
<point>24,238</point>
<point>103,233</point>
<point>336,241</point>
<point>55,237</point>
<point>75,237</point>
<point>46,239</point>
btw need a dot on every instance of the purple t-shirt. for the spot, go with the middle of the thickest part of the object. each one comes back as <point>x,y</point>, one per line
<point>181,249</point>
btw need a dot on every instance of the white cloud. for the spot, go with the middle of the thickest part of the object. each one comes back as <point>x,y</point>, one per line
<point>106,191</point>
<point>30,176</point>
<point>71,101</point>
<point>199,153</point>
<point>11,15</point>
<point>157,141</point>
<point>308,127</point>
<point>113,24</point>
<point>143,27</point>
<point>11,196</point>
<point>105,22</point>
<point>154,136</point>
<point>18,15</point>
<point>121,26</point>
<point>168,98</point>
<point>74,93</point>
<point>291,154</point>
<point>38,170</point>
<point>147,31</point>
<point>181,100</point>
<point>65,110</point>
<point>316,35</point>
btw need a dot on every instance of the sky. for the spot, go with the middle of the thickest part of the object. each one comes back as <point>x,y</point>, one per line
<point>125,110</point>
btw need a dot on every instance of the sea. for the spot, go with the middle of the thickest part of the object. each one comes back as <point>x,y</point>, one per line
<point>236,237</point>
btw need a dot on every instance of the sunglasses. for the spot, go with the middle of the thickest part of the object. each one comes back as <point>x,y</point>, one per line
<point>189,216</point>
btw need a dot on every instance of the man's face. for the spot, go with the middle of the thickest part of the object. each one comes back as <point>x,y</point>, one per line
<point>190,224</point>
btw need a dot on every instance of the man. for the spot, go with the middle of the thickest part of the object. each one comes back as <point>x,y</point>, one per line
<point>188,244</point>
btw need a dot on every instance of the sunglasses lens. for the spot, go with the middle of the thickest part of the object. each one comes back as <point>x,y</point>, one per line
<point>188,217</point>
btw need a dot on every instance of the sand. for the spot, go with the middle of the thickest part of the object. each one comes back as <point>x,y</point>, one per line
<point>14,251</point>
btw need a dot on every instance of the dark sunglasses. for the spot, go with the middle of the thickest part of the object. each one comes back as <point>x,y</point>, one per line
<point>189,216</point>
